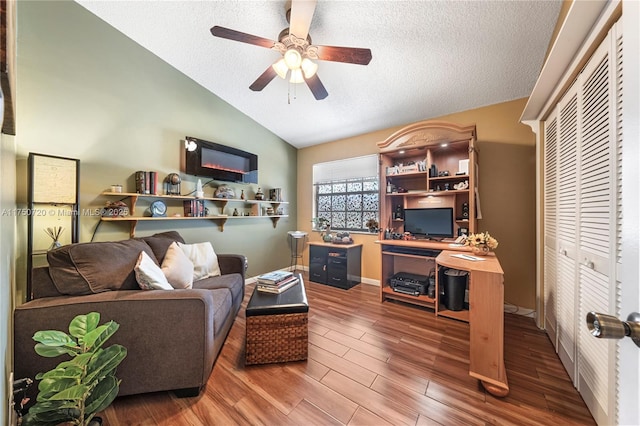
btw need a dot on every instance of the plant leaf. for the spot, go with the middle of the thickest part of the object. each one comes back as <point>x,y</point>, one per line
<point>102,395</point>
<point>74,393</point>
<point>96,338</point>
<point>53,338</point>
<point>52,351</point>
<point>74,372</point>
<point>83,324</point>
<point>48,387</point>
<point>50,413</point>
<point>58,373</point>
<point>43,407</point>
<point>104,362</point>
<point>80,361</point>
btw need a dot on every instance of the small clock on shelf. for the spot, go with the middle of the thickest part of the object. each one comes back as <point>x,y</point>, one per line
<point>158,209</point>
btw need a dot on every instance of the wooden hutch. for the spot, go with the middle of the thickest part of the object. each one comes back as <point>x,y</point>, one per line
<point>423,166</point>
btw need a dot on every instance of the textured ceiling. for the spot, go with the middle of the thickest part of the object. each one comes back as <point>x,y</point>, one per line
<point>430,58</point>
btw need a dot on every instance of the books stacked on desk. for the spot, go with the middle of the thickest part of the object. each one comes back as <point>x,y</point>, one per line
<point>276,281</point>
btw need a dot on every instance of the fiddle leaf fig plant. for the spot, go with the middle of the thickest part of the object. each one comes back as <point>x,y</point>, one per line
<point>77,389</point>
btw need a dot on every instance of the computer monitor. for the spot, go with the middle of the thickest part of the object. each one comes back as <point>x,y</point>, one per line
<point>429,223</point>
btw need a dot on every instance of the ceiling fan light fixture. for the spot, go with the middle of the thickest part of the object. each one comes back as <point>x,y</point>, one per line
<point>309,68</point>
<point>296,76</point>
<point>281,68</point>
<point>293,59</point>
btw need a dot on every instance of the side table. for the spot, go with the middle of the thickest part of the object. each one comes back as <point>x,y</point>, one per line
<point>276,329</point>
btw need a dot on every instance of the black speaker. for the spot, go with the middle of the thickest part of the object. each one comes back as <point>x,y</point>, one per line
<point>465,210</point>
<point>433,171</point>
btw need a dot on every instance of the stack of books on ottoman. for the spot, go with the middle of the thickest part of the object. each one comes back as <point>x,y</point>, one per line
<point>276,281</point>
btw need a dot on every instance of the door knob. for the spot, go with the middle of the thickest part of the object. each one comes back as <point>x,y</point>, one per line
<point>609,327</point>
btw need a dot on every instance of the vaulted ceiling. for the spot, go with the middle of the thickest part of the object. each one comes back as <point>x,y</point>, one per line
<point>430,58</point>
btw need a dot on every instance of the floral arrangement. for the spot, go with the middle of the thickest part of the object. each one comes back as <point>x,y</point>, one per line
<point>483,239</point>
<point>372,224</point>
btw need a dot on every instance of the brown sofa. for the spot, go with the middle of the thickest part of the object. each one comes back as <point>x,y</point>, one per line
<point>172,337</point>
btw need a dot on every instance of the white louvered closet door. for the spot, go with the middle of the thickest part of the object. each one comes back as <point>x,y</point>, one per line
<point>551,228</point>
<point>583,140</point>
<point>568,182</point>
<point>598,230</point>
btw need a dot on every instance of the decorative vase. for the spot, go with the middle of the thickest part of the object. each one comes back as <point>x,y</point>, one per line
<point>55,245</point>
<point>481,250</point>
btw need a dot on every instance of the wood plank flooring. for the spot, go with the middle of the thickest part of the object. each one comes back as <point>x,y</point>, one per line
<point>371,363</point>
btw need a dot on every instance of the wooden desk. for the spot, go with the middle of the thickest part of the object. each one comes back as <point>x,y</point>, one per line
<point>486,319</point>
<point>486,300</point>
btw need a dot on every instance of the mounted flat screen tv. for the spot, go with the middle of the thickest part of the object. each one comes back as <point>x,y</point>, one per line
<point>219,162</point>
<point>434,223</point>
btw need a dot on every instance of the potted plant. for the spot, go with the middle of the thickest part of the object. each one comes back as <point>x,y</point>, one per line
<point>77,389</point>
<point>322,224</point>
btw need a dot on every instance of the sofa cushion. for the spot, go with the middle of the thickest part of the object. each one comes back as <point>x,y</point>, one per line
<point>232,282</point>
<point>204,259</point>
<point>86,268</point>
<point>149,275</point>
<point>177,267</point>
<point>222,307</point>
<point>161,241</point>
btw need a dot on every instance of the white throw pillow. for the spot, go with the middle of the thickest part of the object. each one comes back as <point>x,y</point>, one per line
<point>149,275</point>
<point>204,259</point>
<point>177,267</point>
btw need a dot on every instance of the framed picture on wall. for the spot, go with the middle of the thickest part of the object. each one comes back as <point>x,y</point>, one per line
<point>52,207</point>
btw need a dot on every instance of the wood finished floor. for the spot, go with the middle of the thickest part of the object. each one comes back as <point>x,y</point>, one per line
<point>371,363</point>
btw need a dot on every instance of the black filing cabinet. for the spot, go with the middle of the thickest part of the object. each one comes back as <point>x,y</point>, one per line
<point>317,264</point>
<point>335,265</point>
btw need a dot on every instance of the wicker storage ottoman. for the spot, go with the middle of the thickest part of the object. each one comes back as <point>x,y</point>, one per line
<point>277,326</point>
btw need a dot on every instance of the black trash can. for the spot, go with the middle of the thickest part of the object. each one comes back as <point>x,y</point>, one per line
<point>455,285</point>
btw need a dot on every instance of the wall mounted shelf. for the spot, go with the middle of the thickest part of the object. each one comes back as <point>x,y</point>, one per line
<point>221,203</point>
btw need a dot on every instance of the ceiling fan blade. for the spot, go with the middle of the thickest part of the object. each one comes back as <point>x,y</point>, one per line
<point>351,55</point>
<point>241,37</point>
<point>264,79</point>
<point>316,86</point>
<point>301,15</point>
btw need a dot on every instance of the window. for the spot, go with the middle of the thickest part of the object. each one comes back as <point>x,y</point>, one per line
<point>346,192</point>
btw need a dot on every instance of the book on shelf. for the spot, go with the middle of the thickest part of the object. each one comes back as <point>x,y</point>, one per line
<point>153,183</point>
<point>146,182</point>
<point>277,289</point>
<point>274,277</point>
<point>140,181</point>
<point>194,208</point>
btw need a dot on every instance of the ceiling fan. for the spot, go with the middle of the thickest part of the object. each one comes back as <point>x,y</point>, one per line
<point>294,43</point>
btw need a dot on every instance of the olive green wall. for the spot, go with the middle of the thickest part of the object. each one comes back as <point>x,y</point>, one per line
<point>88,92</point>
<point>506,185</point>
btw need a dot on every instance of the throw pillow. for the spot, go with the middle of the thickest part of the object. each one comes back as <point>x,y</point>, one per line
<point>177,267</point>
<point>149,275</point>
<point>160,242</point>
<point>86,268</point>
<point>204,259</point>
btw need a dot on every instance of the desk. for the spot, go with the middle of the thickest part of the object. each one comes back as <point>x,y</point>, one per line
<point>486,300</point>
<point>486,319</point>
